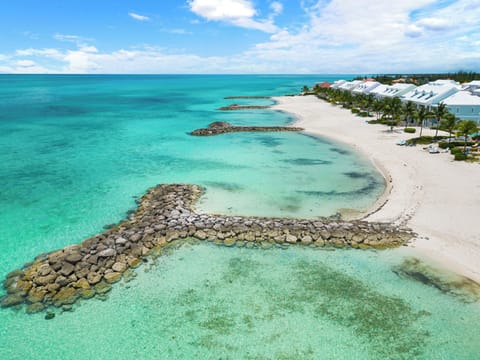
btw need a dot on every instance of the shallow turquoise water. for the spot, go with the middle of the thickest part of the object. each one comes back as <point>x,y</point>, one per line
<point>76,151</point>
<point>205,301</point>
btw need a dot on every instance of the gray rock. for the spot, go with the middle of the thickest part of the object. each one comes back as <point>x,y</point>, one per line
<point>119,267</point>
<point>120,241</point>
<point>107,253</point>
<point>94,278</point>
<point>291,238</point>
<point>74,257</point>
<point>67,269</point>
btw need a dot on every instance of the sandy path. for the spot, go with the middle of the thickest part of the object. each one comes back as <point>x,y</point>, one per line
<point>434,195</point>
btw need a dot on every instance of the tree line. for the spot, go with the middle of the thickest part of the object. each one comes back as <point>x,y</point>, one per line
<point>391,111</point>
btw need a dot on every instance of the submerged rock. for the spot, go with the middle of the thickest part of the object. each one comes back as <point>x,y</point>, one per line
<point>112,277</point>
<point>65,296</point>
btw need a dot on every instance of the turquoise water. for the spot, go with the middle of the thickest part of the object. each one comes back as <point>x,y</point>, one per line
<point>205,301</point>
<point>75,152</point>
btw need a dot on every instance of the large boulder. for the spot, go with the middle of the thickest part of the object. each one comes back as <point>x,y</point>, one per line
<point>112,277</point>
<point>66,296</point>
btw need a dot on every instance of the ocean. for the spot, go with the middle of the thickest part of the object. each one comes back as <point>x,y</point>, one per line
<point>75,153</point>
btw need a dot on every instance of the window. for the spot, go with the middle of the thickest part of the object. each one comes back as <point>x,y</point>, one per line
<point>458,110</point>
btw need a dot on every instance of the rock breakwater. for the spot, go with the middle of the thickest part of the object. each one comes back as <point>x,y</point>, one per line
<point>166,213</point>
<point>220,127</point>
<point>243,107</point>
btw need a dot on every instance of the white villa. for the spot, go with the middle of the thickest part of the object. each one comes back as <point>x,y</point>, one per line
<point>336,84</point>
<point>432,93</point>
<point>473,86</point>
<point>465,105</point>
<point>350,85</point>
<point>396,90</point>
<point>366,87</point>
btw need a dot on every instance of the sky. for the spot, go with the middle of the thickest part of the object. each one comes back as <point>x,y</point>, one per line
<point>239,36</point>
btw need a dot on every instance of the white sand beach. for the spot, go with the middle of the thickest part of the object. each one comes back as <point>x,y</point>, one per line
<point>435,196</point>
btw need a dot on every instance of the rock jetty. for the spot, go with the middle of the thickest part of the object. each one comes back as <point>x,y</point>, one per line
<point>243,107</point>
<point>166,213</point>
<point>220,127</point>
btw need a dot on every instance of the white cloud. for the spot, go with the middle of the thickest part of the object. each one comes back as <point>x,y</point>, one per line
<point>71,38</point>
<point>80,62</point>
<point>223,9</point>
<point>276,7</point>
<point>236,12</point>
<point>25,63</point>
<point>435,24</point>
<point>413,31</point>
<point>24,66</point>
<point>177,31</point>
<point>48,53</point>
<point>138,17</point>
<point>88,49</point>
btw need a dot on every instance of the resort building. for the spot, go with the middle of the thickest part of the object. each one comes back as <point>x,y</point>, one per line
<point>395,90</point>
<point>365,87</point>
<point>336,84</point>
<point>350,85</point>
<point>465,105</point>
<point>432,93</point>
<point>473,86</point>
<point>378,90</point>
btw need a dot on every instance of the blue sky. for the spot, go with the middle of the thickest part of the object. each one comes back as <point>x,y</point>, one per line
<point>238,36</point>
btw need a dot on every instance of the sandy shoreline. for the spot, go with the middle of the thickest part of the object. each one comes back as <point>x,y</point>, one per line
<point>435,196</point>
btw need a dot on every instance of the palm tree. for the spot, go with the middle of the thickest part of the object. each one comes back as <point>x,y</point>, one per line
<point>369,101</point>
<point>409,111</point>
<point>449,124</point>
<point>392,110</point>
<point>467,127</point>
<point>377,107</point>
<point>440,112</point>
<point>422,115</point>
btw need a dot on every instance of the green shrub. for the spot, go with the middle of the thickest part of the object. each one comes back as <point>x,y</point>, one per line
<point>460,156</point>
<point>363,114</point>
<point>423,140</point>
<point>355,111</point>
<point>456,150</point>
<point>410,130</point>
<point>450,145</point>
<point>380,121</point>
